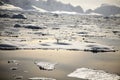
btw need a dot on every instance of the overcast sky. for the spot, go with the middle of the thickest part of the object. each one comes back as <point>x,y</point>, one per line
<point>87,4</point>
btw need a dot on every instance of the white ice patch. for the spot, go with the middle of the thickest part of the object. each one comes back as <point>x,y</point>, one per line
<point>45,65</point>
<point>10,7</point>
<point>39,9</point>
<point>90,74</point>
<point>64,12</point>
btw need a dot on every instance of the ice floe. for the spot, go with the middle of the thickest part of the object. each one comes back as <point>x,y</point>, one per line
<point>90,74</point>
<point>67,45</point>
<point>45,65</point>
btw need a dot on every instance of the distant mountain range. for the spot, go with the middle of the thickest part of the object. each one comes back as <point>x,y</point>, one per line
<point>48,5</point>
<point>53,5</point>
<point>107,10</point>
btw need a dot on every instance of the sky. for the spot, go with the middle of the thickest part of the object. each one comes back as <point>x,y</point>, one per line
<point>91,4</point>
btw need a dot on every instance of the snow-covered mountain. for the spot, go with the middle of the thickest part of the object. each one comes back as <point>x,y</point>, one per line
<point>105,9</point>
<point>57,7</point>
<point>46,5</point>
<point>5,6</point>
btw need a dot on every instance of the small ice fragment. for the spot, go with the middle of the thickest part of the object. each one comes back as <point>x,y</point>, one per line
<point>19,77</point>
<point>13,62</point>
<point>40,78</point>
<point>45,65</point>
<point>90,74</point>
<point>25,71</point>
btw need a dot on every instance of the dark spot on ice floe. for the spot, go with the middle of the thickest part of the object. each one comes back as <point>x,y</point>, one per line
<point>41,34</point>
<point>115,32</point>
<point>42,68</point>
<point>82,32</point>
<point>8,47</point>
<point>55,28</point>
<point>55,15</point>
<point>33,27</point>
<point>19,16</point>
<point>60,43</point>
<point>91,45</point>
<point>19,77</point>
<point>106,17</point>
<point>17,26</point>
<point>44,44</point>
<point>14,68</point>
<point>89,41</point>
<point>73,49</point>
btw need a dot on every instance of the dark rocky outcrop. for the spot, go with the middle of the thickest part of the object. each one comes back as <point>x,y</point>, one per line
<point>4,16</point>
<point>33,27</point>
<point>17,26</point>
<point>89,11</point>
<point>19,16</point>
<point>1,3</point>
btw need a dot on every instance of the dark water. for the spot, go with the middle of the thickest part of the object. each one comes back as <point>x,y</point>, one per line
<point>67,61</point>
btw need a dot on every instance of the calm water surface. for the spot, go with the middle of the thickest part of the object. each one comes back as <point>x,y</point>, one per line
<point>67,61</point>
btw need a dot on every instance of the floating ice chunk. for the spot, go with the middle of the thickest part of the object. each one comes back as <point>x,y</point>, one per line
<point>13,62</point>
<point>25,71</point>
<point>19,77</point>
<point>45,65</point>
<point>40,78</point>
<point>90,74</point>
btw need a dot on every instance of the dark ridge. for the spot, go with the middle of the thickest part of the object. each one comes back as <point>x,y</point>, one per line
<point>8,47</point>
